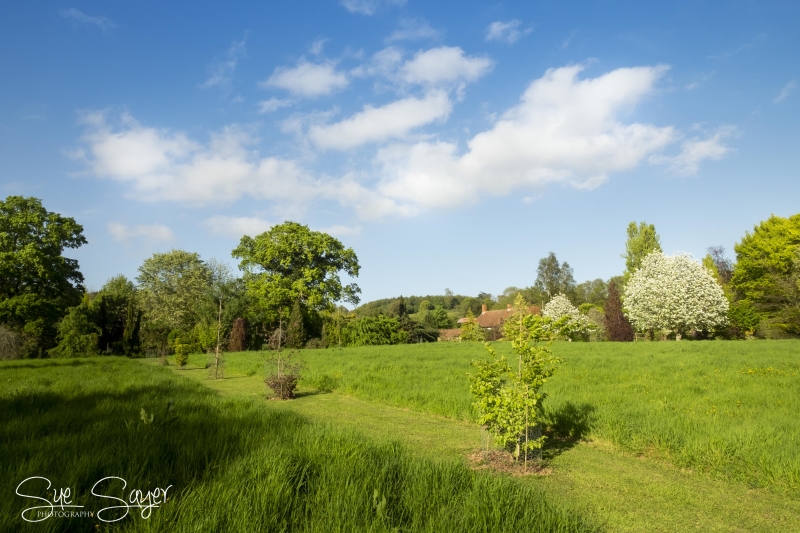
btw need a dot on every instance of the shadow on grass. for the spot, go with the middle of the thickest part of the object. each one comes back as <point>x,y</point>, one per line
<point>566,427</point>
<point>80,423</point>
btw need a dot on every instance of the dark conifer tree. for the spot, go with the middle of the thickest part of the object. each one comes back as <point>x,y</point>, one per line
<point>237,340</point>
<point>296,331</point>
<point>618,328</point>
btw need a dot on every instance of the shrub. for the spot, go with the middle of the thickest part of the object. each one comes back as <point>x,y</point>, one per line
<point>77,334</point>
<point>10,343</point>
<point>374,331</point>
<point>576,326</point>
<point>181,352</point>
<point>471,331</point>
<point>283,373</point>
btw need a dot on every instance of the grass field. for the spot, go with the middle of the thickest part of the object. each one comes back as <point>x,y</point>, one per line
<point>234,464</point>
<point>646,437</point>
<point>726,408</point>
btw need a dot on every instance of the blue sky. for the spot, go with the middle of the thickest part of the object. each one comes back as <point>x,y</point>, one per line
<point>451,144</point>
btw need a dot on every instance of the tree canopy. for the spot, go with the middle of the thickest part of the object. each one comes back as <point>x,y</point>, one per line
<point>173,286</point>
<point>292,263</point>
<point>553,278</point>
<point>642,241</point>
<point>675,293</point>
<point>37,283</point>
<point>764,258</point>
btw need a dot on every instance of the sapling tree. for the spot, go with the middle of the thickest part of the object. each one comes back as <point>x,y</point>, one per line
<point>508,400</point>
<point>471,331</point>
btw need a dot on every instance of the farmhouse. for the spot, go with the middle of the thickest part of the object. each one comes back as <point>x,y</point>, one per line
<point>493,320</point>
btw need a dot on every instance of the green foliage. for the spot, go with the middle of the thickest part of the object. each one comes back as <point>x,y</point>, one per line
<point>510,401</point>
<point>181,352</point>
<point>553,278</point>
<point>441,319</point>
<point>471,331</point>
<point>296,330</point>
<point>417,332</point>
<point>78,336</point>
<point>226,476</point>
<point>172,287</point>
<point>37,283</point>
<point>767,272</point>
<point>593,292</point>
<point>118,316</point>
<point>291,263</point>
<point>642,241</point>
<point>130,335</point>
<point>373,331</point>
<point>744,318</point>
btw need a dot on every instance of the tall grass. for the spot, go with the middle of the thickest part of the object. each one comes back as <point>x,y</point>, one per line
<point>727,408</point>
<point>234,464</point>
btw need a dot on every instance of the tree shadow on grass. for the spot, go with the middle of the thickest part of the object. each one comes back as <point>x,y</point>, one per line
<point>78,424</point>
<point>566,426</point>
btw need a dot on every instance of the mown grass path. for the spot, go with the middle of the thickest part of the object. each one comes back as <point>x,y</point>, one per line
<point>629,485</point>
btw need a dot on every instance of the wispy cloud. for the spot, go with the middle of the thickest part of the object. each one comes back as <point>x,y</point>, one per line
<point>104,23</point>
<point>414,30</point>
<point>785,92</point>
<point>369,7</point>
<point>237,227</point>
<point>376,124</point>
<point>273,104</point>
<point>308,79</point>
<point>151,232</point>
<point>220,71</point>
<point>507,32</point>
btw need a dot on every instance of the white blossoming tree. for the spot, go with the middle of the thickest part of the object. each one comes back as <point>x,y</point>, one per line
<point>576,326</point>
<point>675,293</point>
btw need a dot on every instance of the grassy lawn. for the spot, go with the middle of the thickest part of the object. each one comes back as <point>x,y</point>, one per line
<point>647,437</point>
<point>725,408</point>
<point>613,484</point>
<point>232,463</point>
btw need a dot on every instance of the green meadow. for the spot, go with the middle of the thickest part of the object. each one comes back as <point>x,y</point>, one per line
<point>665,436</point>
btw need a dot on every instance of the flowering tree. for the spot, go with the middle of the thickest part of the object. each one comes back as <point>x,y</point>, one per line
<point>576,325</point>
<point>675,293</point>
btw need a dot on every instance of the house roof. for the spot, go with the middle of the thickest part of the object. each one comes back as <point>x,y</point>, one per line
<point>494,319</point>
<point>449,334</point>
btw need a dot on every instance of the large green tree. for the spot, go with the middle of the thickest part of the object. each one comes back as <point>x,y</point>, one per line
<point>642,241</point>
<point>768,268</point>
<point>37,283</point>
<point>173,287</point>
<point>553,278</point>
<point>291,263</point>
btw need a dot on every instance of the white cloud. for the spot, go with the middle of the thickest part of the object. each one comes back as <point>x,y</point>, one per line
<point>414,30</point>
<point>565,129</point>
<point>338,230</point>
<point>696,150</point>
<point>161,165</point>
<point>504,31</point>
<point>785,92</point>
<point>375,124</point>
<point>151,232</point>
<point>105,24</point>
<point>220,71</point>
<point>369,7</point>
<point>273,104</point>
<point>317,46</point>
<point>236,227</point>
<point>308,79</point>
<point>444,65</point>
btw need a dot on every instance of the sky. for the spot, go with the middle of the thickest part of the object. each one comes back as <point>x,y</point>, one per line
<point>450,144</point>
